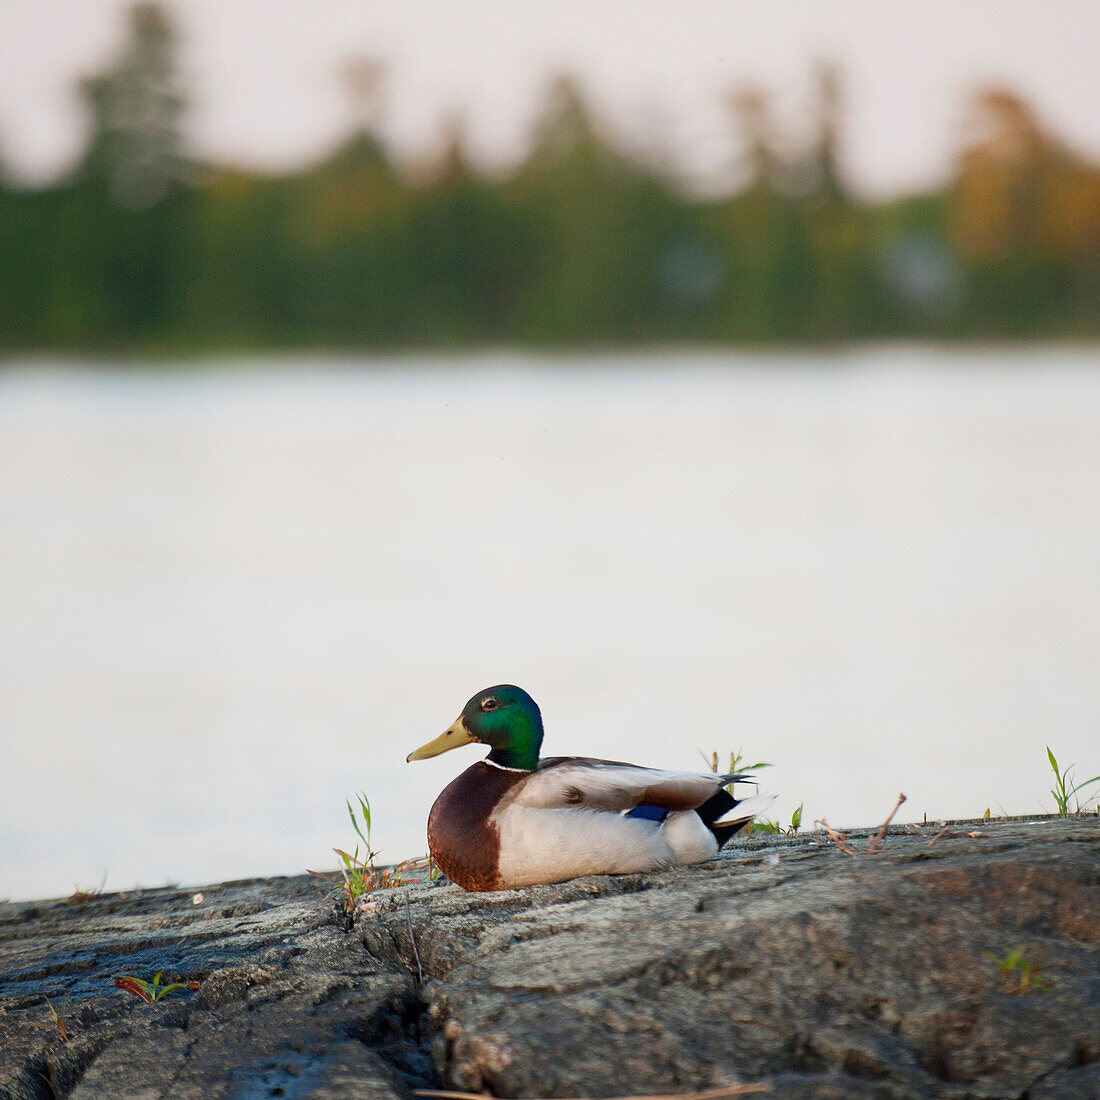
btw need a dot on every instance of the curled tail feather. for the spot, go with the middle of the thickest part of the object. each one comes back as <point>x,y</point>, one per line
<point>724,815</point>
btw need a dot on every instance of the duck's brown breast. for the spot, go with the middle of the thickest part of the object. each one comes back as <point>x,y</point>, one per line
<point>464,842</point>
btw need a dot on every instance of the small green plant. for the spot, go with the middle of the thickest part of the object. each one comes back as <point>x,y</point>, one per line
<point>58,1021</point>
<point>434,873</point>
<point>737,765</point>
<point>1019,975</point>
<point>763,825</point>
<point>360,876</point>
<point>150,991</point>
<point>1065,788</point>
<point>766,826</point>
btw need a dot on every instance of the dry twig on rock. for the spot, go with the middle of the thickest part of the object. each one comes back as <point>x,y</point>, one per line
<point>839,839</point>
<point>875,843</point>
<point>412,939</point>
<point>707,1094</point>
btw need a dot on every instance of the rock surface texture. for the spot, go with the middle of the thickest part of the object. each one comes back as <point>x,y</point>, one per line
<point>784,963</point>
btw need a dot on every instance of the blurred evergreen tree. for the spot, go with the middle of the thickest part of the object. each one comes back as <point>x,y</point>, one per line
<point>464,254</point>
<point>138,247</point>
<point>603,225</point>
<point>129,218</point>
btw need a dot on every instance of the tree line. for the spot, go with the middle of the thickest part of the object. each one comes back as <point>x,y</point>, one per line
<point>141,247</point>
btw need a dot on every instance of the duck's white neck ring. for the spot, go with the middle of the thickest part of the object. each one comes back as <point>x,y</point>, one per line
<point>494,764</point>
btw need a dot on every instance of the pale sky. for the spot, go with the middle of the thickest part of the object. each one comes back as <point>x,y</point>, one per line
<point>265,94</point>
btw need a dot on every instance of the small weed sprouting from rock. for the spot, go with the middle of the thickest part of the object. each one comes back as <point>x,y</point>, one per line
<point>150,991</point>
<point>1019,975</point>
<point>58,1021</point>
<point>360,876</point>
<point>1065,789</point>
<point>430,865</point>
<point>763,825</point>
<point>735,767</point>
<point>82,897</point>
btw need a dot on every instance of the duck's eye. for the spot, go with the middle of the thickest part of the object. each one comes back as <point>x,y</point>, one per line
<point>489,704</point>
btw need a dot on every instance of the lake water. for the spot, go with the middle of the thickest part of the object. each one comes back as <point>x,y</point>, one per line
<point>234,595</point>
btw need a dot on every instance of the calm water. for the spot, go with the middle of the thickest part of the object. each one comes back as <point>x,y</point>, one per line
<point>230,598</point>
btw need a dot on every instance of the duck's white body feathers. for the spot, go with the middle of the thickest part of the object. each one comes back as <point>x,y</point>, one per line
<point>568,819</point>
<point>542,845</point>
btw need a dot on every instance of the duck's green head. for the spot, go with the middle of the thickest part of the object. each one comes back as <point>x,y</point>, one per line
<point>505,717</point>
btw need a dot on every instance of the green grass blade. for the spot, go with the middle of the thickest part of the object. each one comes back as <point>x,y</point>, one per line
<point>354,821</point>
<point>1087,783</point>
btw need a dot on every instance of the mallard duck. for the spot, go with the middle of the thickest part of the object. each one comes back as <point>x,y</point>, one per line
<point>515,820</point>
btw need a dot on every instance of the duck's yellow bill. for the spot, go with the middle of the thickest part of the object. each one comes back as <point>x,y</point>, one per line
<point>457,735</point>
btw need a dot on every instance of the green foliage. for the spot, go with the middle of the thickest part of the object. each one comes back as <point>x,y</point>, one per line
<point>763,825</point>
<point>137,248</point>
<point>1019,975</point>
<point>434,873</point>
<point>364,808</point>
<point>737,765</point>
<point>58,1021</point>
<point>360,876</point>
<point>150,991</point>
<point>1066,789</point>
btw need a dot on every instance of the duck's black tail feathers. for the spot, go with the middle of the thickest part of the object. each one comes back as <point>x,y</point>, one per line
<point>724,815</point>
<point>718,805</point>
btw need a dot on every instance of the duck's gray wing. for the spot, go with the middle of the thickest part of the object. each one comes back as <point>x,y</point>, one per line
<point>565,781</point>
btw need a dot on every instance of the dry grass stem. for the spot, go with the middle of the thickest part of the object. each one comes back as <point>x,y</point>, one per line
<point>707,1094</point>
<point>839,839</point>
<point>942,832</point>
<point>82,897</point>
<point>412,939</point>
<point>58,1021</point>
<point>875,843</point>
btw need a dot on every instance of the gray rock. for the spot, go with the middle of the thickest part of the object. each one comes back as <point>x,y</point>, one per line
<point>783,962</point>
